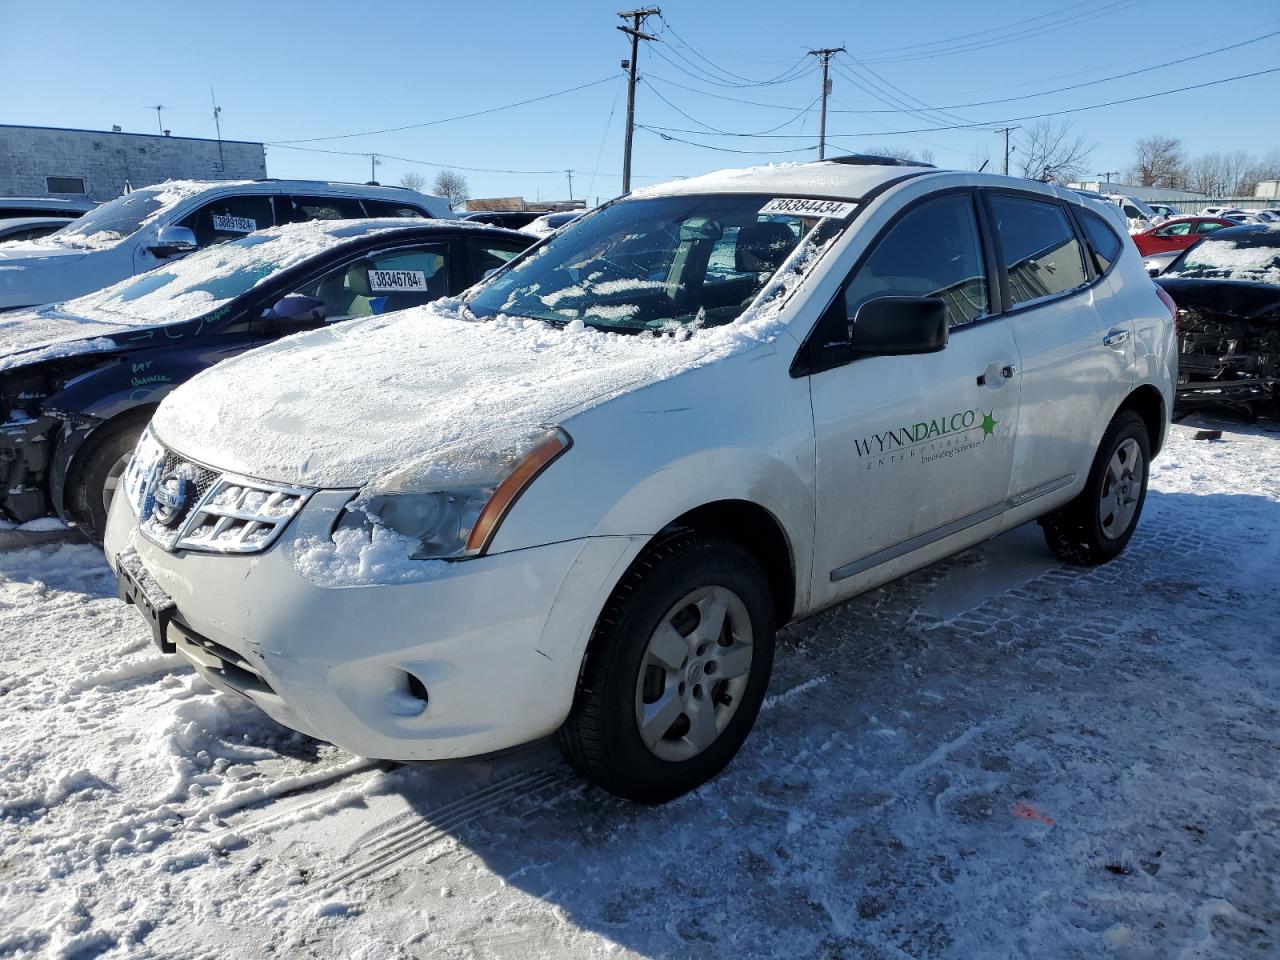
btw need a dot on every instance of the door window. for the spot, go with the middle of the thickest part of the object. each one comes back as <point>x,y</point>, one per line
<point>933,251</point>
<point>386,208</point>
<point>487,255</point>
<point>1041,252</point>
<point>1174,230</point>
<point>302,209</point>
<point>228,218</point>
<point>1207,226</point>
<point>383,282</point>
<point>1104,243</point>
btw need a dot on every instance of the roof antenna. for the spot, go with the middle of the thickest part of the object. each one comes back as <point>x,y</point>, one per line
<point>217,123</point>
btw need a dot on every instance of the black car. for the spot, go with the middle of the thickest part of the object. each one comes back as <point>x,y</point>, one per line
<point>511,219</point>
<point>79,380</point>
<point>1227,290</point>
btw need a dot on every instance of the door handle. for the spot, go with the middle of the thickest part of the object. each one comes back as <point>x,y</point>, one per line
<point>1115,338</point>
<point>1009,371</point>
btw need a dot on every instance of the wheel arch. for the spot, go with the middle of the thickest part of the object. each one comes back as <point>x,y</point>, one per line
<point>756,530</point>
<point>1147,402</point>
<point>78,444</point>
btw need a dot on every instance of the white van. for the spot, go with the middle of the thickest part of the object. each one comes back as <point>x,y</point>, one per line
<point>583,497</point>
<point>150,226</point>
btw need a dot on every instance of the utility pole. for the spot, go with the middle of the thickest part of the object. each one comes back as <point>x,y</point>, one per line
<point>374,163</point>
<point>1006,131</point>
<point>1106,175</point>
<point>569,173</point>
<point>637,18</point>
<point>217,123</point>
<point>825,54</point>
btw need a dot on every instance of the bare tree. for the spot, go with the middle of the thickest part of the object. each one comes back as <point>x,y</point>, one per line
<point>452,186</point>
<point>414,181</point>
<point>1053,152</point>
<point>1158,162</point>
<point>900,153</point>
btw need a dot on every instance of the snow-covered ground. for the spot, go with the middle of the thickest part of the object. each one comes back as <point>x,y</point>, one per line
<point>996,757</point>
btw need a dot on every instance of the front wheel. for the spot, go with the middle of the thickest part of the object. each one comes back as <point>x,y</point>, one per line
<point>675,673</point>
<point>1096,526</point>
<point>97,473</point>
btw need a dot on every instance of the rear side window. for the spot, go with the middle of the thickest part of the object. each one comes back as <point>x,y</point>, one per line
<point>386,208</point>
<point>383,282</point>
<point>301,209</point>
<point>1174,230</point>
<point>229,217</point>
<point>1208,227</point>
<point>1041,253</point>
<point>1103,242</point>
<point>933,251</point>
<point>487,255</point>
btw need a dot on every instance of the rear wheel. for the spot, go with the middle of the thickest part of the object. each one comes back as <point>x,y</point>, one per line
<point>675,673</point>
<point>97,473</point>
<point>1096,526</point>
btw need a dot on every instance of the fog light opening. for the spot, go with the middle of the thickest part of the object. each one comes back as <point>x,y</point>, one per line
<point>408,698</point>
<point>417,688</point>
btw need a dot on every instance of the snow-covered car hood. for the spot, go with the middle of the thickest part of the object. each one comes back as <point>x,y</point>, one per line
<point>45,333</point>
<point>341,406</point>
<point>20,253</point>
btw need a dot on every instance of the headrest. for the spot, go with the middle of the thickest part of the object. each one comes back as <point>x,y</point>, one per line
<point>763,246</point>
<point>358,279</point>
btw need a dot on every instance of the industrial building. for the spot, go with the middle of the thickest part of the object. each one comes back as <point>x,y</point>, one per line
<point>101,165</point>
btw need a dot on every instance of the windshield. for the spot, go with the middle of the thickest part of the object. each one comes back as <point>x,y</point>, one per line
<point>107,225</point>
<point>653,264</point>
<point>202,281</point>
<point>1254,258</point>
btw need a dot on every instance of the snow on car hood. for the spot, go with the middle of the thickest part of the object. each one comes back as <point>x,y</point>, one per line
<point>341,406</point>
<point>30,336</point>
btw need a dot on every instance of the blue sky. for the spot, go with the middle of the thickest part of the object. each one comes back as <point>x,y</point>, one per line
<point>292,70</point>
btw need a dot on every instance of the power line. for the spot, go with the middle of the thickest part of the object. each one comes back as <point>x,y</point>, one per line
<point>649,77</point>
<point>746,81</point>
<point>432,123</point>
<point>977,33</point>
<point>691,69</point>
<point>657,93</point>
<point>1031,116</point>
<point>708,146</point>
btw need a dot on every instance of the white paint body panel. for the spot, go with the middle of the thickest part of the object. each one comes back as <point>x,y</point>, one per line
<point>499,639</point>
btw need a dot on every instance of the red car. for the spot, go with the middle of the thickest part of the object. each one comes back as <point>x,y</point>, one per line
<point>1177,234</point>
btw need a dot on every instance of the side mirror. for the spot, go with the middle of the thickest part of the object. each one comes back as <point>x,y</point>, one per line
<point>172,241</point>
<point>897,326</point>
<point>1153,271</point>
<point>296,309</point>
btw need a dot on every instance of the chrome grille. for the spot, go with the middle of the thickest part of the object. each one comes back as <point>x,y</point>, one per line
<point>202,509</point>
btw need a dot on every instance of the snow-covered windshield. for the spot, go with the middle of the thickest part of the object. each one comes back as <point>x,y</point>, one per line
<point>1254,258</point>
<point>214,276</point>
<point>107,225</point>
<point>648,264</point>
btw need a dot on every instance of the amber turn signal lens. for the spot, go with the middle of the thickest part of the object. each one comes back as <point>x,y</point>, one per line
<point>510,489</point>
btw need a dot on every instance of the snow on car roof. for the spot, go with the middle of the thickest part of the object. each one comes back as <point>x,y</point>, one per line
<point>821,179</point>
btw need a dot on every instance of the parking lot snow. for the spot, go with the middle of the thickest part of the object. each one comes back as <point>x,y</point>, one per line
<point>998,756</point>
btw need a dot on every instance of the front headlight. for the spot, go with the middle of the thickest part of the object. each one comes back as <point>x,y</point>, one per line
<point>450,508</point>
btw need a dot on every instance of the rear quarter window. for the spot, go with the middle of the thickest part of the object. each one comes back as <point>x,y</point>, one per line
<point>1104,245</point>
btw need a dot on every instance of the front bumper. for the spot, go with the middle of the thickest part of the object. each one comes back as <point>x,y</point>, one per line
<point>496,641</point>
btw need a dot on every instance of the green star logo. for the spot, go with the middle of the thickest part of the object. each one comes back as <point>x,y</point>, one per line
<point>988,424</point>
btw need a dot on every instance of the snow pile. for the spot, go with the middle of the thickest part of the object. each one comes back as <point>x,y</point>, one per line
<point>353,558</point>
<point>339,406</point>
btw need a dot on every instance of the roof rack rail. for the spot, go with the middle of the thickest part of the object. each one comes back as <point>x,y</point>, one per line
<point>345,183</point>
<point>871,160</point>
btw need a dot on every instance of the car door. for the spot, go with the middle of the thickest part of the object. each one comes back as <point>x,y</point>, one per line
<point>1074,339</point>
<point>1171,237</point>
<point>913,453</point>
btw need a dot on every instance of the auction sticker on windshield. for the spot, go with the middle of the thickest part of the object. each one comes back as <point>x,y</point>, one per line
<point>234,224</point>
<point>391,281</point>
<point>806,207</point>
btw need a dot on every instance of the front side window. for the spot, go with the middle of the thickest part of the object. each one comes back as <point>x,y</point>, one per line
<point>302,209</point>
<point>1208,226</point>
<point>1103,242</point>
<point>1041,252</point>
<point>646,264</point>
<point>1174,230</point>
<point>228,218</point>
<point>383,282</point>
<point>1251,258</point>
<point>487,255</point>
<point>934,250</point>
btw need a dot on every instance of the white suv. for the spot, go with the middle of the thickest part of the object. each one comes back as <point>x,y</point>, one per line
<point>152,225</point>
<point>583,497</point>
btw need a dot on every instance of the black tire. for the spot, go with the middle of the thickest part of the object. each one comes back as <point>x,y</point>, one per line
<point>1076,531</point>
<point>93,465</point>
<point>601,739</point>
